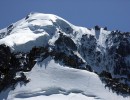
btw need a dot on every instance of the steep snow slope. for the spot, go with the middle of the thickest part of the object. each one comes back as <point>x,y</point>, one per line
<point>52,81</point>
<point>37,29</point>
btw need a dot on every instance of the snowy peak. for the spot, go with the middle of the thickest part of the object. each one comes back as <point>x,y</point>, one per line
<point>39,37</point>
<point>37,25</point>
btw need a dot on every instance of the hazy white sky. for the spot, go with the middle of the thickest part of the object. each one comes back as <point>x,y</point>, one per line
<point>115,14</point>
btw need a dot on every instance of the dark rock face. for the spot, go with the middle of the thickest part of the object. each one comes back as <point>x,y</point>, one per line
<point>9,29</point>
<point>113,62</point>
<point>64,42</point>
<point>97,28</point>
<point>10,64</point>
<point>69,60</point>
<point>13,63</point>
<point>115,59</point>
<point>114,83</point>
<point>105,28</point>
<point>121,43</point>
<point>118,64</point>
<point>119,52</point>
<point>64,51</point>
<point>88,48</point>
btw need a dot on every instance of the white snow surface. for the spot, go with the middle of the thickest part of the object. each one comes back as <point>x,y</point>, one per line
<point>71,96</point>
<point>26,32</point>
<point>52,81</point>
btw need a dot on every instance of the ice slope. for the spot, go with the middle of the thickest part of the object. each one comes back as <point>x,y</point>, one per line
<point>37,29</point>
<point>52,81</point>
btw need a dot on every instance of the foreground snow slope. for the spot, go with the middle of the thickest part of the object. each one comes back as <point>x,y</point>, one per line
<point>71,96</point>
<point>52,81</point>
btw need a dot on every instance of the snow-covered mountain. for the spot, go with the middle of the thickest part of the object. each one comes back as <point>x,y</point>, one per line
<point>44,56</point>
<point>41,29</point>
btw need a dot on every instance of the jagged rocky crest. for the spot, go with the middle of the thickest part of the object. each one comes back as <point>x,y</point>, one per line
<point>106,53</point>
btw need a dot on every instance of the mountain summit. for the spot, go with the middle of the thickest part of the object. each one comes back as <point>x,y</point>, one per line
<point>44,56</point>
<point>41,28</point>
